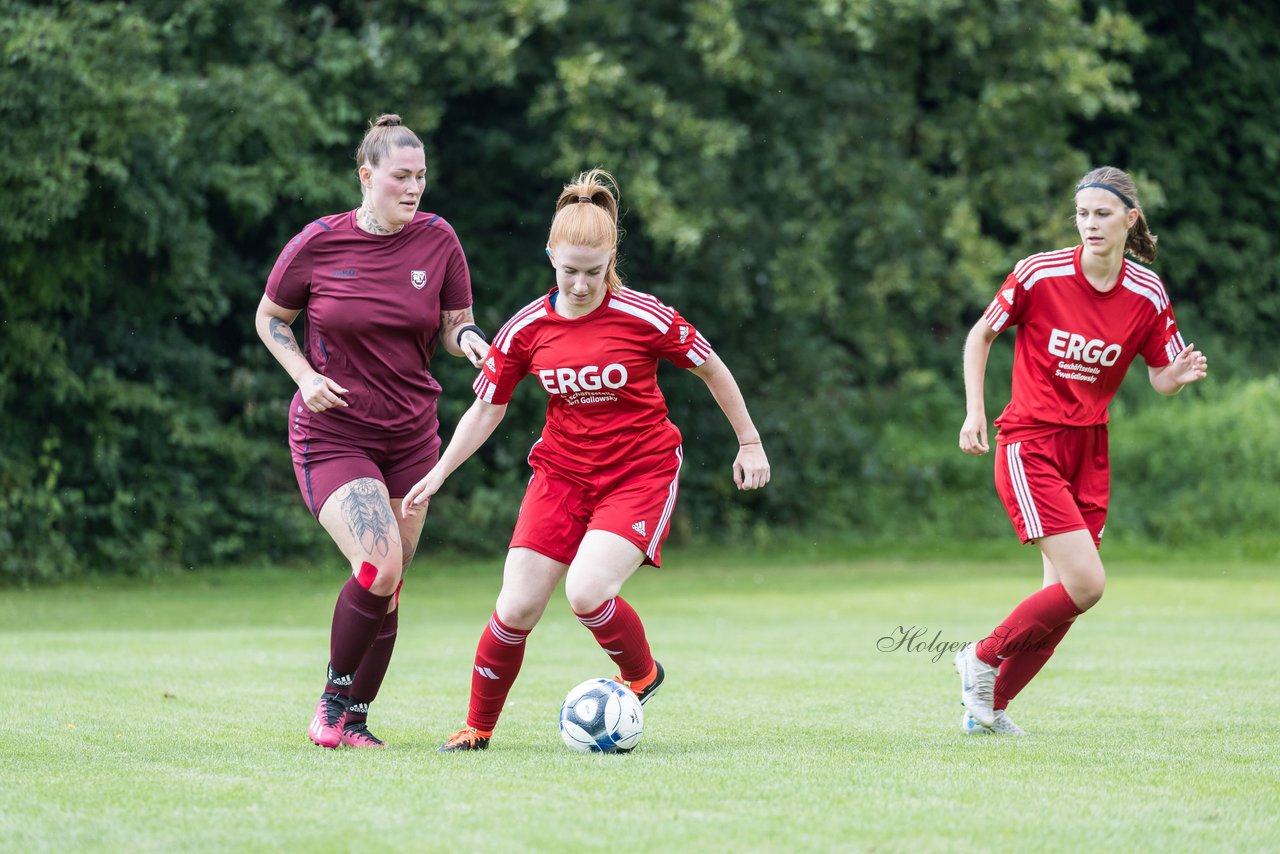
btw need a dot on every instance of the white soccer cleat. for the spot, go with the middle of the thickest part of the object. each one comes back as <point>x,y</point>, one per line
<point>1002,725</point>
<point>977,685</point>
<point>971,727</point>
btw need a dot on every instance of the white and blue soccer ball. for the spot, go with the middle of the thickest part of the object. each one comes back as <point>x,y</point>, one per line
<point>601,716</point>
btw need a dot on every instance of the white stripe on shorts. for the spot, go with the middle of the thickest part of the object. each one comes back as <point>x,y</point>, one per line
<point>1022,492</point>
<point>667,508</point>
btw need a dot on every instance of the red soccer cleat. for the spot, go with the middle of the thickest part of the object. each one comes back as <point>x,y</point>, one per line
<point>326,725</point>
<point>356,734</point>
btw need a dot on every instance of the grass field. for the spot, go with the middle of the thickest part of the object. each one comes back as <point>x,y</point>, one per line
<point>170,715</point>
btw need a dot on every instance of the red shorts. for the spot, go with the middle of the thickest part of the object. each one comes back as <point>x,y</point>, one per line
<point>324,463</point>
<point>1056,483</point>
<point>634,501</point>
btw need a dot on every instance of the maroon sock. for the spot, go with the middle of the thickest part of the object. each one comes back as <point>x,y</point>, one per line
<point>498,658</point>
<point>620,633</point>
<point>373,667</point>
<point>1020,668</point>
<point>1033,619</point>
<point>357,616</point>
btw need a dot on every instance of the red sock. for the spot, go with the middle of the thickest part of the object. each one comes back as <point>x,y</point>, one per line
<point>1035,616</point>
<point>373,667</point>
<point>498,658</point>
<point>620,633</point>
<point>357,616</point>
<point>1020,668</point>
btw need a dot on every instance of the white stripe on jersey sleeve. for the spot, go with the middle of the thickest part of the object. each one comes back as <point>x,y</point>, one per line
<point>699,351</point>
<point>1048,272</point>
<point>996,316</point>
<point>1146,286</point>
<point>520,320</point>
<point>1057,258</point>
<point>647,302</point>
<point>1174,346</point>
<point>641,312</point>
<point>1149,278</point>
<point>484,389</point>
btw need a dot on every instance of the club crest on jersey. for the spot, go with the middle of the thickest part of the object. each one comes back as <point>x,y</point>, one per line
<point>418,278</point>
<point>684,333</point>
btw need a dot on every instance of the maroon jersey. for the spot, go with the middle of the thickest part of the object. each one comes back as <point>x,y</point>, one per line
<point>373,308</point>
<point>601,371</point>
<point>1075,343</point>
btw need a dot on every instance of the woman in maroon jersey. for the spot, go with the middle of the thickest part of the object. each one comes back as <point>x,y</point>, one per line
<point>1084,314</point>
<point>380,285</point>
<point>606,468</point>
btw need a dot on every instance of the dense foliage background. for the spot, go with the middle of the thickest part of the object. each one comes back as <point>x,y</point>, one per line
<point>831,191</point>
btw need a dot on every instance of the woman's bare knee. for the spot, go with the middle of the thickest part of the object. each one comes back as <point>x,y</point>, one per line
<point>519,611</point>
<point>586,593</point>
<point>1086,592</point>
<point>387,579</point>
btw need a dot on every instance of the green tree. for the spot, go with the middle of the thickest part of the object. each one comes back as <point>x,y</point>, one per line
<point>830,191</point>
<point>1204,135</point>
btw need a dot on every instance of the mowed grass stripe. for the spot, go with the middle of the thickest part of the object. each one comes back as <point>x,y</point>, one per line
<point>170,714</point>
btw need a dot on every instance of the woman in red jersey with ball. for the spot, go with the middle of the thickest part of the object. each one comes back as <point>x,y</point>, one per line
<point>1084,314</point>
<point>606,468</point>
<point>380,285</point>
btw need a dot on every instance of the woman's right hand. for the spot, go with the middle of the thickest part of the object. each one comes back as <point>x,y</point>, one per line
<point>973,435</point>
<point>319,392</point>
<point>420,495</point>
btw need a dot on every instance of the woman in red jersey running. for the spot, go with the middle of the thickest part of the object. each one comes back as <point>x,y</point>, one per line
<point>1084,314</point>
<point>380,285</point>
<point>606,468</point>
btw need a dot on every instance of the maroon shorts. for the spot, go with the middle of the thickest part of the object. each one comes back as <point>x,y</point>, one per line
<point>634,501</point>
<point>1056,483</point>
<point>325,463</point>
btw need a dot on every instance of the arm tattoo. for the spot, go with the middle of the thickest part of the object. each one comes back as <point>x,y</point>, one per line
<point>453,319</point>
<point>368,517</point>
<point>283,335</point>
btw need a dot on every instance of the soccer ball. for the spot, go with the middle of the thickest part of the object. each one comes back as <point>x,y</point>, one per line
<point>601,716</point>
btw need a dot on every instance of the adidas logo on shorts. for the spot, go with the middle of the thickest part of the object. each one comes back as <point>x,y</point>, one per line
<point>638,527</point>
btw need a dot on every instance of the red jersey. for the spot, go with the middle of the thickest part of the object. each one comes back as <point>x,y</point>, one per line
<point>601,371</point>
<point>1075,343</point>
<point>373,308</point>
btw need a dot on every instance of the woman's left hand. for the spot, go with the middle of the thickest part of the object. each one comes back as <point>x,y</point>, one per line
<point>1188,366</point>
<point>751,467</point>
<point>474,348</point>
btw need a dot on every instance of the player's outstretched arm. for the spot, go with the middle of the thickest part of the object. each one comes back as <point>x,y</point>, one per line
<point>977,347</point>
<point>1187,367</point>
<point>474,428</point>
<point>751,466</point>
